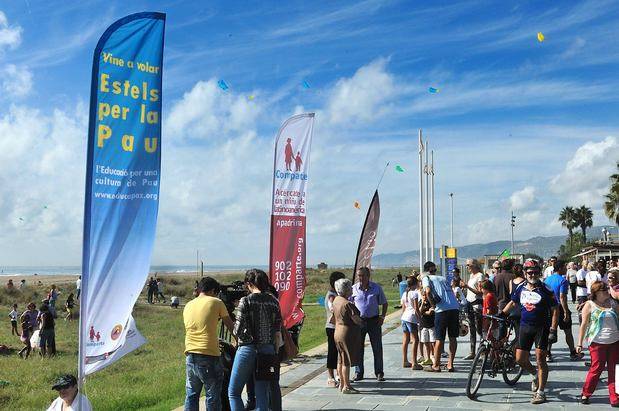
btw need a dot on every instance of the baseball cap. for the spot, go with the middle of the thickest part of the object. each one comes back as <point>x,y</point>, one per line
<point>64,381</point>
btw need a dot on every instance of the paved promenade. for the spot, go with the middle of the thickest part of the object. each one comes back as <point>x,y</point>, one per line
<point>409,390</point>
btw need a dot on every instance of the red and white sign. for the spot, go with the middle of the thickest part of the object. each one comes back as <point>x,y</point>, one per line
<point>290,176</point>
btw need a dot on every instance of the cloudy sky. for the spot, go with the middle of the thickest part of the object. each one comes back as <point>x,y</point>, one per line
<point>517,124</point>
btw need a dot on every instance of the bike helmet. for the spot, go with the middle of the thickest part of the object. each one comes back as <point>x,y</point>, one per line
<point>531,264</point>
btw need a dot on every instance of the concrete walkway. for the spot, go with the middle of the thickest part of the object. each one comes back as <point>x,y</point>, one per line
<point>405,389</point>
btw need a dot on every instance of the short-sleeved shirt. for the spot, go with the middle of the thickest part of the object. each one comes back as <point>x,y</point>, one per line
<point>548,271</point>
<point>406,301</point>
<point>535,305</point>
<point>58,404</point>
<point>581,275</point>
<point>590,278</point>
<point>78,283</point>
<point>14,315</point>
<point>201,316</point>
<point>473,282</point>
<point>330,323</point>
<point>442,289</point>
<point>558,284</point>
<point>490,305</point>
<point>368,301</point>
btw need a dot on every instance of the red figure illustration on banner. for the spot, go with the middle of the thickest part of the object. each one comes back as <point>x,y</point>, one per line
<point>288,154</point>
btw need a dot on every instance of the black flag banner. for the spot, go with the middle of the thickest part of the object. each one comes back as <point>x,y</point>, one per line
<point>367,242</point>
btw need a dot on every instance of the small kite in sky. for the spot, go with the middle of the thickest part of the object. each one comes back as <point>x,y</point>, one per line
<point>399,168</point>
<point>540,36</point>
<point>251,97</point>
<point>357,205</point>
<point>433,90</point>
<point>21,219</point>
<point>45,207</point>
<point>305,84</point>
<point>222,85</point>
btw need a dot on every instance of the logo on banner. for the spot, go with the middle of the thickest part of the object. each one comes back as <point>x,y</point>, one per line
<point>289,157</point>
<point>94,336</point>
<point>116,331</point>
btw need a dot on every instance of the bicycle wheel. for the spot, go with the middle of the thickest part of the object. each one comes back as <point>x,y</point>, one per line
<point>511,369</point>
<point>477,371</point>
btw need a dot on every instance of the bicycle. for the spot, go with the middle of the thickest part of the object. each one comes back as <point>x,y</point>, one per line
<point>502,355</point>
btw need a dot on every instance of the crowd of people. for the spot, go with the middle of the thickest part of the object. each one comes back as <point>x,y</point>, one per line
<point>434,312</point>
<point>36,328</point>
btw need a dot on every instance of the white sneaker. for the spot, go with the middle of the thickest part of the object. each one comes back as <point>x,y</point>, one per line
<point>534,384</point>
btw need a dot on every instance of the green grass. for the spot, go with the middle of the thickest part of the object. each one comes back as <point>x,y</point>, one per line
<point>150,378</point>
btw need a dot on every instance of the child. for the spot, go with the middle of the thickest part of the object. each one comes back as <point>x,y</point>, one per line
<point>14,315</point>
<point>455,286</point>
<point>490,305</point>
<point>69,307</point>
<point>426,336</point>
<point>25,336</point>
<point>410,320</point>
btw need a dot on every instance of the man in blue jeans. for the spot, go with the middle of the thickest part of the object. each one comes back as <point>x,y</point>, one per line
<point>203,358</point>
<point>367,297</point>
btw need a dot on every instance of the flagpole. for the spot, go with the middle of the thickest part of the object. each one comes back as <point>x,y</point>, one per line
<point>432,205</point>
<point>427,203</point>
<point>421,220</point>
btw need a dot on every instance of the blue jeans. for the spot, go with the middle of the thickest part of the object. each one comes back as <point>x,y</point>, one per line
<point>242,370</point>
<point>207,371</point>
<point>374,330</point>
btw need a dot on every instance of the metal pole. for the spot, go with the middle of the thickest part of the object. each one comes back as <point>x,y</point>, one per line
<point>512,224</point>
<point>421,217</point>
<point>427,204</point>
<point>451,201</point>
<point>432,206</point>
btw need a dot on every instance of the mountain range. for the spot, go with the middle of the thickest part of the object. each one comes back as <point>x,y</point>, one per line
<point>542,246</point>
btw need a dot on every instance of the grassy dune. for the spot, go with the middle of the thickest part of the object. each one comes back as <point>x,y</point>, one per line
<point>150,378</point>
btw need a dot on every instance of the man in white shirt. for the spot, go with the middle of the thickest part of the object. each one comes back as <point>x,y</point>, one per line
<point>68,397</point>
<point>78,285</point>
<point>474,299</point>
<point>581,289</point>
<point>551,267</point>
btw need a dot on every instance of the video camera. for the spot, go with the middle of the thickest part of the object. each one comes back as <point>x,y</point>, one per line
<point>230,294</point>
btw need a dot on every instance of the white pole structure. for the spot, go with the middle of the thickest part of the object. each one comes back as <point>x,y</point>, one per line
<point>451,201</point>
<point>421,217</point>
<point>432,206</point>
<point>427,203</point>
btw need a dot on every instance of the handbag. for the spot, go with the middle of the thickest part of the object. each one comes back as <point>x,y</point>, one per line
<point>290,349</point>
<point>267,367</point>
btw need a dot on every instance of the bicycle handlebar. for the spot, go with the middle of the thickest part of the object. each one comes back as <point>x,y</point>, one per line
<point>493,317</point>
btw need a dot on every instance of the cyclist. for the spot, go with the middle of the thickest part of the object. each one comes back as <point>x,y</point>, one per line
<point>538,324</point>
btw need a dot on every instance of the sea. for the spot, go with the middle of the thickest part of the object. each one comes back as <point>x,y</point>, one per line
<point>77,270</point>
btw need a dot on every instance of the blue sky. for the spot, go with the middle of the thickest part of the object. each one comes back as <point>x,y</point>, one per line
<point>517,124</point>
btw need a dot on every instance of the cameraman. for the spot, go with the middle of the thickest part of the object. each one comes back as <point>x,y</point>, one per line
<point>203,361</point>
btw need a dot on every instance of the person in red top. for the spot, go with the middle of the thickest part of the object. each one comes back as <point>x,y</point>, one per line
<point>490,304</point>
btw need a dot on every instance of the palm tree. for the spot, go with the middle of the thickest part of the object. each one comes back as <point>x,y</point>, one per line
<point>567,220</point>
<point>611,206</point>
<point>583,218</point>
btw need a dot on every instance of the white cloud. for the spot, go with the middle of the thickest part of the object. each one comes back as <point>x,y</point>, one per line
<point>16,81</point>
<point>585,177</point>
<point>522,198</point>
<point>362,97</point>
<point>207,112</point>
<point>10,36</point>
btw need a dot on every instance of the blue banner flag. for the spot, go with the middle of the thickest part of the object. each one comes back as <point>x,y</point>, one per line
<point>122,185</point>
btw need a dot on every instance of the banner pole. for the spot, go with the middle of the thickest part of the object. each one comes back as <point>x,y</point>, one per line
<point>427,203</point>
<point>382,175</point>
